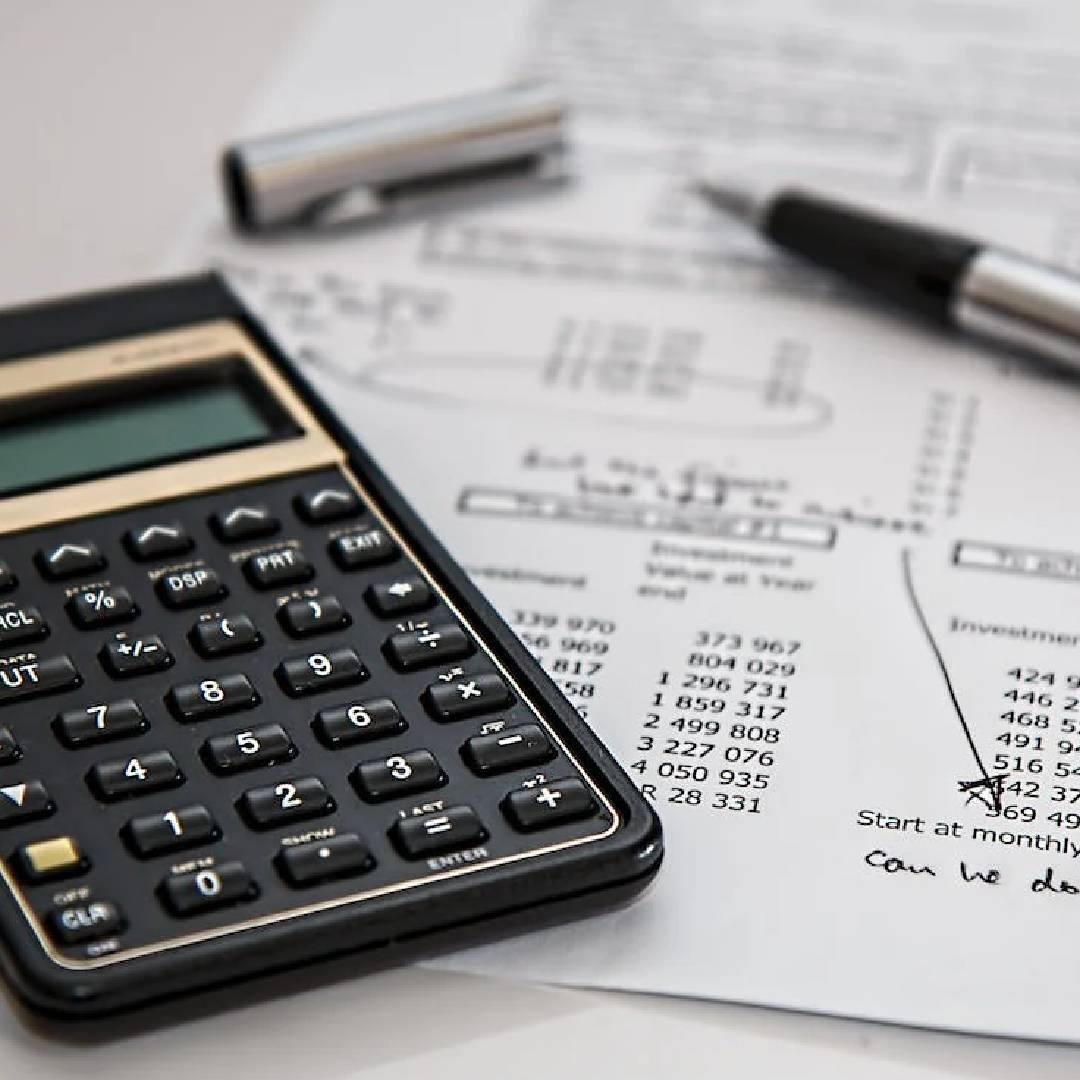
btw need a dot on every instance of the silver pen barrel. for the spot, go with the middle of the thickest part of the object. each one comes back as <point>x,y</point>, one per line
<point>357,168</point>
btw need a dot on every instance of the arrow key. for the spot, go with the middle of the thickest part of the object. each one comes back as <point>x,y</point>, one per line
<point>24,802</point>
<point>401,597</point>
<point>159,540</point>
<point>70,559</point>
<point>244,523</point>
<point>327,504</point>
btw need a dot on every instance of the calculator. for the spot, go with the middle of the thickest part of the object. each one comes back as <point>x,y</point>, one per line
<point>252,715</point>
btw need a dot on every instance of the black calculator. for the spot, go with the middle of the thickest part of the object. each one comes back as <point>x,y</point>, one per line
<point>252,715</point>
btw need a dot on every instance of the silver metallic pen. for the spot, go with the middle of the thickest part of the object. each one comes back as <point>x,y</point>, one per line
<point>958,282</point>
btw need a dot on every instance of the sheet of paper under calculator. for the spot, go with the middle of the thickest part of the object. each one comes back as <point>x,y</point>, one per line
<point>812,572</point>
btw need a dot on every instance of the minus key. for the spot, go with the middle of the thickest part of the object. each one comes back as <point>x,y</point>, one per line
<point>511,748</point>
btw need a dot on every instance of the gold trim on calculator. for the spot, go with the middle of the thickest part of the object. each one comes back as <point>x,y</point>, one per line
<point>159,354</point>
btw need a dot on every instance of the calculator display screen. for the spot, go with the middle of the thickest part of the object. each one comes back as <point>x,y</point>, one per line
<point>82,437</point>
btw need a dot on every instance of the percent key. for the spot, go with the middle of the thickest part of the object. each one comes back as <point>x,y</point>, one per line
<point>103,605</point>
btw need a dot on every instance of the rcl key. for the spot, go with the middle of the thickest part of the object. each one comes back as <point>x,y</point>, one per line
<point>18,624</point>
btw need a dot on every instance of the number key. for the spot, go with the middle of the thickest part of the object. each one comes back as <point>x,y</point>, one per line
<point>397,775</point>
<point>291,800</point>
<point>112,780</point>
<point>252,748</point>
<point>359,721</point>
<point>300,675</point>
<point>212,697</point>
<point>181,827</point>
<point>99,723</point>
<point>203,890</point>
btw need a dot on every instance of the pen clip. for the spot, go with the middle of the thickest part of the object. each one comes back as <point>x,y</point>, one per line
<point>430,194</point>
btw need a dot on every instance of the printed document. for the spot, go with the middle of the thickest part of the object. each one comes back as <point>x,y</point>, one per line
<point>811,570</point>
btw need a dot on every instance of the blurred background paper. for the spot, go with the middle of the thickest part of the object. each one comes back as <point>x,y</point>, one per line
<point>756,534</point>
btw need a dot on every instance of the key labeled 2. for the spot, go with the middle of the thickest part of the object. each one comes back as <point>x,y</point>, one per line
<point>290,800</point>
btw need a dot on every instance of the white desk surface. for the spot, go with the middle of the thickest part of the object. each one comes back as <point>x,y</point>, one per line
<point>112,114</point>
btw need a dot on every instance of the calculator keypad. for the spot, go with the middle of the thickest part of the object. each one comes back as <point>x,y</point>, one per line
<point>228,706</point>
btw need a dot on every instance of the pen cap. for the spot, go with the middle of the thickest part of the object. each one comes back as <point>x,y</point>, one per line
<point>358,168</point>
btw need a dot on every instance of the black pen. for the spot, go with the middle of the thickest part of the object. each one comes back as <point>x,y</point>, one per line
<point>957,282</point>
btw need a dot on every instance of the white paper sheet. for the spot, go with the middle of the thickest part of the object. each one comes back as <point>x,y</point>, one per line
<point>811,571</point>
